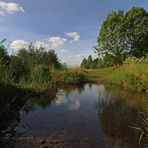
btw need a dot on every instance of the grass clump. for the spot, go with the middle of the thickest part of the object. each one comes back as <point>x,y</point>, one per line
<point>39,78</point>
<point>132,74</point>
<point>68,76</point>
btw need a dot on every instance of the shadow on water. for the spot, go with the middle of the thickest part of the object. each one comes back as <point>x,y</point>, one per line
<point>11,101</point>
<point>119,112</point>
<point>114,113</point>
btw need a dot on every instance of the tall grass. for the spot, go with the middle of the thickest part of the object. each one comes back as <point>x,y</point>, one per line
<point>41,78</point>
<point>132,74</point>
<point>5,74</point>
<point>68,76</point>
<point>38,79</point>
<point>142,127</point>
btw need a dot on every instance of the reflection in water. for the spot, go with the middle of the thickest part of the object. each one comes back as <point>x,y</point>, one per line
<point>42,100</point>
<point>75,105</point>
<point>11,101</point>
<point>69,113</point>
<point>117,116</point>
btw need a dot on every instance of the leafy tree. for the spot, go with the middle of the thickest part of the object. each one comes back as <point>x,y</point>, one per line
<point>84,63</point>
<point>34,57</point>
<point>123,34</point>
<point>136,35</point>
<point>111,39</point>
<point>89,63</point>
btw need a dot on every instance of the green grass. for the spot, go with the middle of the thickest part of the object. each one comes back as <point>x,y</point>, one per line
<point>97,75</point>
<point>68,76</point>
<point>41,78</point>
<point>133,76</point>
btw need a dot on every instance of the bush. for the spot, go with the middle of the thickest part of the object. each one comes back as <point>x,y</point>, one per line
<point>40,75</point>
<point>38,79</point>
<point>67,76</point>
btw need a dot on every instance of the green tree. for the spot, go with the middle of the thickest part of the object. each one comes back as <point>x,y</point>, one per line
<point>136,35</point>
<point>123,34</point>
<point>111,39</point>
<point>34,56</point>
<point>84,63</point>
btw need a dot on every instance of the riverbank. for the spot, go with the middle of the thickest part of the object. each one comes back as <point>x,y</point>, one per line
<point>133,76</point>
<point>41,80</point>
<point>128,76</point>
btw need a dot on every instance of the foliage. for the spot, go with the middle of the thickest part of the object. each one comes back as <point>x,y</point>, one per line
<point>68,76</point>
<point>28,65</point>
<point>124,34</point>
<point>111,39</point>
<point>18,69</point>
<point>40,75</point>
<point>34,56</point>
<point>136,31</point>
<point>38,79</point>
<point>5,74</point>
<point>89,63</point>
<point>132,74</point>
<point>106,61</point>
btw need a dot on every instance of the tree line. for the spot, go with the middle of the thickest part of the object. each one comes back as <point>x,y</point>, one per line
<point>121,35</point>
<point>15,67</point>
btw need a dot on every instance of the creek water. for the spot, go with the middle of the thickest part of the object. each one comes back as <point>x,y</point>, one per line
<point>90,115</point>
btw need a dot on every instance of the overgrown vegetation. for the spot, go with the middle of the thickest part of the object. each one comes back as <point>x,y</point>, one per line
<point>132,74</point>
<point>121,35</point>
<point>122,51</point>
<point>35,68</point>
<point>68,76</point>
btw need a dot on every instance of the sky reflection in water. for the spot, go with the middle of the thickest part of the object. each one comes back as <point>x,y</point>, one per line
<point>91,112</point>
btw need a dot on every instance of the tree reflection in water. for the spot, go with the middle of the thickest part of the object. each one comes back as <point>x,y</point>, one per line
<point>117,117</point>
<point>11,101</point>
<point>14,101</point>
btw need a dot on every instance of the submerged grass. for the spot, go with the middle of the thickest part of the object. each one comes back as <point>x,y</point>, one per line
<point>142,128</point>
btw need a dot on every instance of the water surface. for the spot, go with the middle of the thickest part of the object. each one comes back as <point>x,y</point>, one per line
<point>83,116</point>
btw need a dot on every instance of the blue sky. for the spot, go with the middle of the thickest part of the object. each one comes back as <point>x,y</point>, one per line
<point>68,26</point>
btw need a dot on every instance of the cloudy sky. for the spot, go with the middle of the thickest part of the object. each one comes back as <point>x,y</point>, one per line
<point>70,27</point>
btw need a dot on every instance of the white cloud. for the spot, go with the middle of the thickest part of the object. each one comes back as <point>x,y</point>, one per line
<point>82,55</point>
<point>17,44</point>
<point>74,35</point>
<point>57,41</point>
<point>86,54</point>
<point>74,105</point>
<point>40,44</point>
<point>10,8</point>
<point>60,100</point>
<point>63,50</point>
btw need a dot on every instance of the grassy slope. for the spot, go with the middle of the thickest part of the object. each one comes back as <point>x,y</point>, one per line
<point>134,76</point>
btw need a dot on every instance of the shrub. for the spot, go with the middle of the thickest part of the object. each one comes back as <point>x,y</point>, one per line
<point>40,75</point>
<point>67,76</point>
